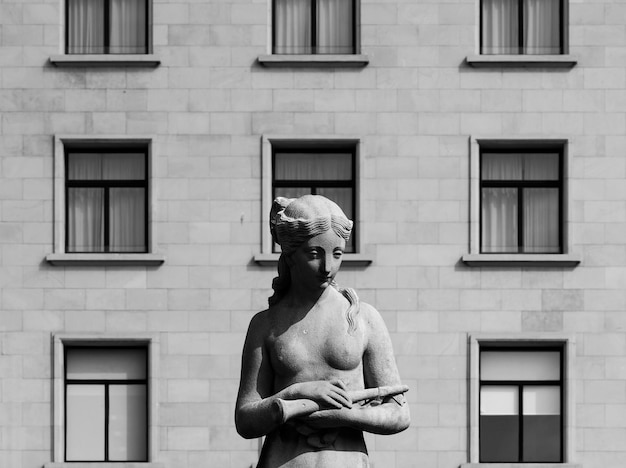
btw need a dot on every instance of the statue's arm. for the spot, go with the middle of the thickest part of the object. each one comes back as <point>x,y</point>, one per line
<point>379,369</point>
<point>253,408</point>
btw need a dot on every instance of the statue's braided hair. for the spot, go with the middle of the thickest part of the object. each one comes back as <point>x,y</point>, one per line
<point>294,221</point>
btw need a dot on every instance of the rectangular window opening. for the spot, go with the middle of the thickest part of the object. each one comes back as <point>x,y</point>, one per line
<point>521,405</point>
<point>521,200</point>
<point>107,26</point>
<point>106,403</point>
<point>314,26</point>
<point>522,27</point>
<point>106,199</point>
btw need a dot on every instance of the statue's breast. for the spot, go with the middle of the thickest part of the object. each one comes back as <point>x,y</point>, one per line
<point>314,351</point>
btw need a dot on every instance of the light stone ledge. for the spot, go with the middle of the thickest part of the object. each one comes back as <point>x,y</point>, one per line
<point>523,260</point>
<point>314,60</point>
<point>105,60</point>
<point>354,260</point>
<point>525,61</point>
<point>66,259</point>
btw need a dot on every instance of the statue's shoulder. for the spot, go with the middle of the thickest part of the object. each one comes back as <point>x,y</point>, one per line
<point>260,321</point>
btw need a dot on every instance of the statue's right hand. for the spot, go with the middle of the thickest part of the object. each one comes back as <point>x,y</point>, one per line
<point>328,394</point>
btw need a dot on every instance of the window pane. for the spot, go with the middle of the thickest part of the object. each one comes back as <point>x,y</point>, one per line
<point>520,365</point>
<point>85,220</point>
<point>106,166</point>
<point>292,27</point>
<point>541,220</point>
<point>127,223</point>
<point>542,27</point>
<point>85,422</point>
<point>335,27</point>
<point>128,166</point>
<point>128,27</point>
<point>542,400</point>
<point>127,423</point>
<point>499,229</point>
<point>85,24</point>
<point>500,400</point>
<point>84,166</point>
<point>500,27</point>
<point>501,166</point>
<point>313,166</point>
<point>541,166</point>
<point>542,439</point>
<point>106,363</point>
<point>499,438</point>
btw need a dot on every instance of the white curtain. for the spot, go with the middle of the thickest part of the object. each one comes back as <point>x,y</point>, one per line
<point>86,206</point>
<point>293,27</point>
<point>128,27</point>
<point>500,27</point>
<point>540,205</point>
<point>85,26</point>
<point>542,19</point>
<point>541,23</point>
<point>334,27</point>
<point>499,220</point>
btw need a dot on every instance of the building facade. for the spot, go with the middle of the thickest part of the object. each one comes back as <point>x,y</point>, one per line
<point>479,145</point>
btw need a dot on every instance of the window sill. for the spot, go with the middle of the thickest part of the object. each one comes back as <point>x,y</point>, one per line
<point>521,465</point>
<point>105,60</point>
<point>105,465</point>
<point>351,260</point>
<point>314,60</point>
<point>523,260</point>
<point>66,259</point>
<point>524,61</point>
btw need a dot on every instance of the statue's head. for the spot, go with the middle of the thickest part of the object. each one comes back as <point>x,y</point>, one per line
<point>294,220</point>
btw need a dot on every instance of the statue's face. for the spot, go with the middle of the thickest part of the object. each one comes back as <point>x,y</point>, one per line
<point>316,262</point>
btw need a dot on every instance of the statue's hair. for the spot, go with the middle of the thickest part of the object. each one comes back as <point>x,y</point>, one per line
<point>293,222</point>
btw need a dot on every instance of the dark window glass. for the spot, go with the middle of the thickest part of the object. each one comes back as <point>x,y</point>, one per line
<point>107,26</point>
<point>531,27</point>
<point>521,201</point>
<point>314,26</point>
<point>106,200</point>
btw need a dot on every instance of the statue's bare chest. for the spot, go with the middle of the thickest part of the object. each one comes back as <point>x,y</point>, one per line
<point>314,350</point>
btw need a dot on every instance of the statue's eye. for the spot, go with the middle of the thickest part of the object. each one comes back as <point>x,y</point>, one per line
<point>338,253</point>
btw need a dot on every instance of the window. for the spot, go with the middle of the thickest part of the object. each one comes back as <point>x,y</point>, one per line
<point>314,26</point>
<point>106,199</point>
<point>522,27</point>
<point>106,403</point>
<point>107,26</point>
<point>319,168</point>
<point>521,401</point>
<point>521,196</point>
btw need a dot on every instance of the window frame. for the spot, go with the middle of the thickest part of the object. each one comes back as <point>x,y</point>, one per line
<point>313,25</point>
<point>520,16</point>
<point>520,186</point>
<point>567,343</point>
<point>149,341</point>
<point>269,258</point>
<point>106,383</point>
<point>475,258</point>
<point>520,384</point>
<point>107,185</point>
<point>106,28</point>
<point>60,256</point>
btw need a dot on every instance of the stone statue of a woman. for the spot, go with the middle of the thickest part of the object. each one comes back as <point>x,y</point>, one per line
<point>319,344</point>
